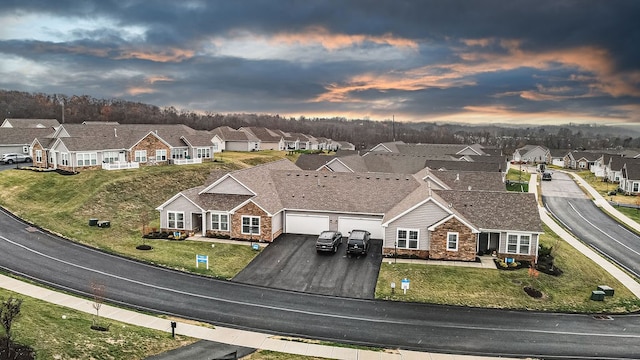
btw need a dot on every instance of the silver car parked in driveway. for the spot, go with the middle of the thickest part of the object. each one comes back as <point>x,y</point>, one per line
<point>10,158</point>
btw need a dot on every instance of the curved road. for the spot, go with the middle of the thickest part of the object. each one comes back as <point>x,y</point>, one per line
<point>64,264</point>
<point>568,203</point>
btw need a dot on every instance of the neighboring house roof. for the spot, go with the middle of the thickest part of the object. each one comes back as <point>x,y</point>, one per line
<point>22,136</point>
<point>559,153</point>
<point>588,156</point>
<point>221,202</point>
<point>30,123</point>
<point>437,149</point>
<point>313,161</point>
<point>227,133</point>
<point>496,210</point>
<point>463,165</point>
<point>202,139</point>
<point>631,171</point>
<point>466,180</point>
<point>262,133</point>
<point>355,163</point>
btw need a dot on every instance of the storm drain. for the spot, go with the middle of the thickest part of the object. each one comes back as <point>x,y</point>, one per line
<point>602,317</point>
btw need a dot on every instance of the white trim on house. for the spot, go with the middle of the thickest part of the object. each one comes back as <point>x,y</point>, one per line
<point>443,207</point>
<point>408,238</point>
<point>251,225</point>
<point>519,243</point>
<point>457,235</point>
<point>175,213</point>
<point>473,228</point>
<point>173,198</point>
<point>227,176</point>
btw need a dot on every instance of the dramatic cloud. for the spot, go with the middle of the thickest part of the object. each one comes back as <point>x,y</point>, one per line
<point>470,61</point>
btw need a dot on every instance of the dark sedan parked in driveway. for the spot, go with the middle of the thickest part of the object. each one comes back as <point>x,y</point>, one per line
<point>329,241</point>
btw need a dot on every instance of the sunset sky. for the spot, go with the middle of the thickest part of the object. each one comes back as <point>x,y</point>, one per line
<point>529,62</point>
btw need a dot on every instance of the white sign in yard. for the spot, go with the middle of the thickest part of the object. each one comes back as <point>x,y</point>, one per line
<point>202,259</point>
<point>405,285</point>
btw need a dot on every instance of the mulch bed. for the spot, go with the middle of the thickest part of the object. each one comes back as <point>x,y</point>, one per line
<point>533,292</point>
<point>18,352</point>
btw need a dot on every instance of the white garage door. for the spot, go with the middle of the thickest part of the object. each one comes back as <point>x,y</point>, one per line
<point>306,224</point>
<point>374,226</point>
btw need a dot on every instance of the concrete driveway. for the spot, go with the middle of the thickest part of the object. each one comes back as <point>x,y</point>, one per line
<point>291,263</point>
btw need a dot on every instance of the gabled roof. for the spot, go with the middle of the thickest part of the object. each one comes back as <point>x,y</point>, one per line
<point>586,155</point>
<point>631,171</point>
<point>221,202</point>
<point>463,165</point>
<point>21,136</point>
<point>469,180</point>
<point>262,133</point>
<point>355,163</point>
<point>437,149</point>
<point>313,161</point>
<point>201,138</point>
<point>30,123</point>
<point>496,210</point>
<point>227,133</point>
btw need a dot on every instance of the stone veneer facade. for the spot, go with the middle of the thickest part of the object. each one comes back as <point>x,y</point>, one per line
<point>251,209</point>
<point>405,253</point>
<point>466,242</point>
<point>45,161</point>
<point>151,143</point>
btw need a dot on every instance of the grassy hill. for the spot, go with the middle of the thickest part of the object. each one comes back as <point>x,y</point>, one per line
<point>64,204</point>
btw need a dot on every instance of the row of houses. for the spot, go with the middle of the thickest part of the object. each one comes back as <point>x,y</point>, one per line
<point>74,147</point>
<point>622,168</point>
<point>417,209</point>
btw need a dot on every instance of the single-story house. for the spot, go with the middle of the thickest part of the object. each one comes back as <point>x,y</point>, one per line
<point>532,154</point>
<point>30,123</point>
<point>269,140</point>
<point>581,160</point>
<point>406,213</point>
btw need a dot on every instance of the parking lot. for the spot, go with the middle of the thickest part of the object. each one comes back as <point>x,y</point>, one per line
<point>291,263</point>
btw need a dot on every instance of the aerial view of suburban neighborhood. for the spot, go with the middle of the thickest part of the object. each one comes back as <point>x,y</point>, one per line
<point>331,182</point>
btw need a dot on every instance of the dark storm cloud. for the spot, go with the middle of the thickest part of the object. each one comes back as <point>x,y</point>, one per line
<point>424,58</point>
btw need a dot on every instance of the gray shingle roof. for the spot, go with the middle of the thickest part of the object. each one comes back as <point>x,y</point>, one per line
<point>227,133</point>
<point>262,133</point>
<point>221,202</point>
<point>312,161</point>
<point>463,165</point>
<point>22,136</point>
<point>496,210</point>
<point>470,180</point>
<point>33,123</point>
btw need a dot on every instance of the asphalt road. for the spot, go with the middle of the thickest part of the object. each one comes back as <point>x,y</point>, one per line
<point>63,264</point>
<point>564,198</point>
<point>291,263</point>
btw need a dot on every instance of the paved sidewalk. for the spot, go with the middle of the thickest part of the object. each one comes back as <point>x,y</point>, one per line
<point>612,269</point>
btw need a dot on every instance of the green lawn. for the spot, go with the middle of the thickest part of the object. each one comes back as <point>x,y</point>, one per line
<point>569,292</point>
<point>64,204</point>
<point>41,326</point>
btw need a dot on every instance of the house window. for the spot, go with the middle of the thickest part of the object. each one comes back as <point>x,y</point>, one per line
<point>251,225</point>
<point>178,153</point>
<point>176,220</point>
<point>220,222</point>
<point>215,146</point>
<point>452,241</point>
<point>161,155</point>
<point>407,239</point>
<point>141,156</point>
<point>110,157</point>
<point>635,186</point>
<point>203,153</point>
<point>86,159</point>
<point>38,155</point>
<point>518,244</point>
<point>64,159</point>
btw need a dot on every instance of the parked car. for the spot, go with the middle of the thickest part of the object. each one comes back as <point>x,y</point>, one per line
<point>329,241</point>
<point>358,242</point>
<point>546,176</point>
<point>10,158</point>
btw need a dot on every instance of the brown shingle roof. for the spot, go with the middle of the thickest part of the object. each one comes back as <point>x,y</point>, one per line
<point>470,180</point>
<point>312,161</point>
<point>496,210</point>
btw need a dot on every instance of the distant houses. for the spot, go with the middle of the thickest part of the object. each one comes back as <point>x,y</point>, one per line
<point>113,146</point>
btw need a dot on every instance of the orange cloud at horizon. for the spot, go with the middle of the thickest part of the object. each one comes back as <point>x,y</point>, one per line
<point>165,55</point>
<point>605,79</point>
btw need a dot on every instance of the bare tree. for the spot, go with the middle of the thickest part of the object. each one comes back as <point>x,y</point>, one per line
<point>9,311</point>
<point>97,291</point>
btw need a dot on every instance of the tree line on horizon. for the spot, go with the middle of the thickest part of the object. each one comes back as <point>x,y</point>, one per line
<point>363,133</point>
